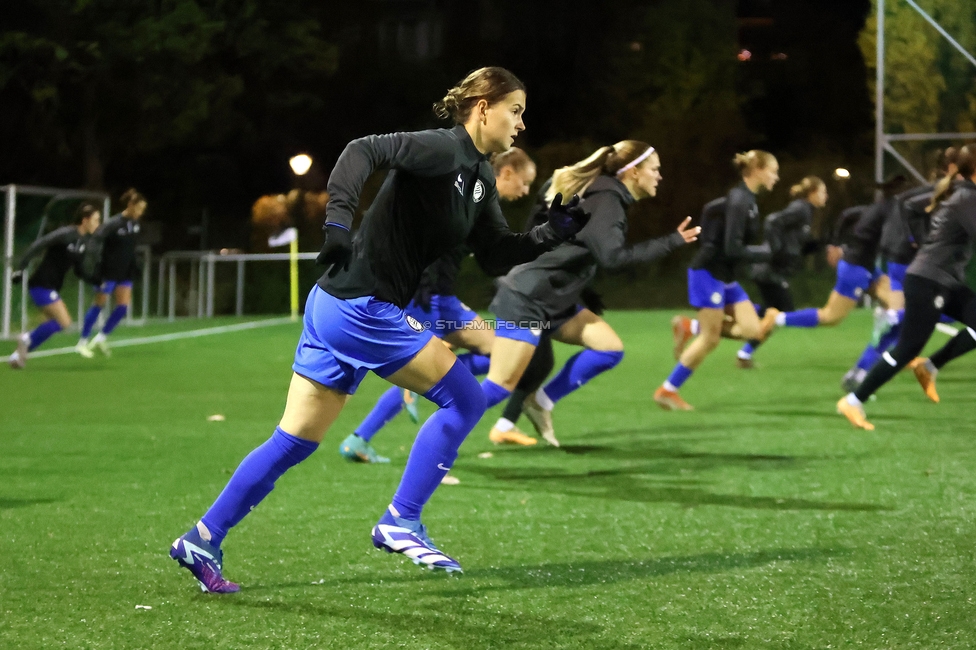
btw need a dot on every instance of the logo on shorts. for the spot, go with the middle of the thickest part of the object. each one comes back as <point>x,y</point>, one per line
<point>939,302</point>
<point>479,191</point>
<point>716,298</point>
<point>414,324</point>
<point>858,292</point>
<point>536,331</point>
<point>54,295</point>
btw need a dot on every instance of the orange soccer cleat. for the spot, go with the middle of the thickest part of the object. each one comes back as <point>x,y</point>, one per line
<point>854,414</point>
<point>513,436</point>
<point>925,373</point>
<point>669,400</point>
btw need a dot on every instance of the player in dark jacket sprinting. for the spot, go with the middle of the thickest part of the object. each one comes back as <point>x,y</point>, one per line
<point>787,233</point>
<point>63,250</point>
<point>935,284</point>
<point>544,296</point>
<point>712,285</point>
<point>439,194</point>
<point>119,269</point>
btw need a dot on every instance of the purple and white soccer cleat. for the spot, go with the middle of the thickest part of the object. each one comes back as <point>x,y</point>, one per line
<point>204,562</point>
<point>408,537</point>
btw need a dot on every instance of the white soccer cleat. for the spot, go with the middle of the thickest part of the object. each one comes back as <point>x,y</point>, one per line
<point>541,419</point>
<point>101,344</point>
<point>81,347</point>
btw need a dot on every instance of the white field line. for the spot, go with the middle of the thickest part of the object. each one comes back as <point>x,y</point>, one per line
<point>175,336</point>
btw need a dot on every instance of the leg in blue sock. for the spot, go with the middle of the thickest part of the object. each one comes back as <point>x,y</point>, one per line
<point>253,480</point>
<point>477,363</point>
<point>43,332</point>
<point>91,317</point>
<point>114,318</point>
<point>387,408</point>
<point>801,318</point>
<point>581,368</point>
<point>462,403</point>
<point>494,394</point>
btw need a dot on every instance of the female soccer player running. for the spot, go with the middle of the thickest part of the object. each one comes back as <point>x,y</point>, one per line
<point>63,249</point>
<point>544,295</point>
<point>440,193</point>
<point>935,284</point>
<point>437,306</point>
<point>788,235</point>
<point>712,286</point>
<point>118,270</point>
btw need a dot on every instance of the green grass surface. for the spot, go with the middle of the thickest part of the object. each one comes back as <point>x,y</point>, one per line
<point>760,520</point>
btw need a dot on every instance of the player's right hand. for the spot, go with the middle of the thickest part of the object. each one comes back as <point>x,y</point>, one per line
<point>567,220</point>
<point>337,249</point>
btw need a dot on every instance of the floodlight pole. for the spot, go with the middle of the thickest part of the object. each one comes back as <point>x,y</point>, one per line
<point>882,140</point>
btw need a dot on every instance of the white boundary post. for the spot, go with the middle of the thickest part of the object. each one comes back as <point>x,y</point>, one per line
<point>8,259</point>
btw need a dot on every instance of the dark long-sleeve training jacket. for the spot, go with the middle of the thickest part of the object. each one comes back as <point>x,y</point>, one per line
<point>62,251</point>
<point>787,233</point>
<point>440,193</point>
<point>905,228</point>
<point>864,240</point>
<point>556,279</point>
<point>949,246</point>
<point>725,233</point>
<point>119,250</point>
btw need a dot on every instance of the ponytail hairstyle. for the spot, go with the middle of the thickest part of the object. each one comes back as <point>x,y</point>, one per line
<point>85,211</point>
<point>614,160</point>
<point>966,163</point>
<point>490,84</point>
<point>130,197</point>
<point>806,187</point>
<point>514,158</point>
<point>752,160</point>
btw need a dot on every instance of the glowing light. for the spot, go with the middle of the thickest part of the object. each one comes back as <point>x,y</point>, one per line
<point>300,164</point>
<point>841,174</point>
<point>744,55</point>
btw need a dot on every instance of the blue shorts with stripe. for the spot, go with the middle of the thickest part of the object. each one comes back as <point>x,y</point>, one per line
<point>344,339</point>
<point>705,292</point>
<point>446,314</point>
<point>853,280</point>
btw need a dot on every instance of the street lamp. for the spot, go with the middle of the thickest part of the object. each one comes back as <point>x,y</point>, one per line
<point>300,164</point>
<point>841,174</point>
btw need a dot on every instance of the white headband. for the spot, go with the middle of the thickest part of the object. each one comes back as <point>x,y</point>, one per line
<point>636,161</point>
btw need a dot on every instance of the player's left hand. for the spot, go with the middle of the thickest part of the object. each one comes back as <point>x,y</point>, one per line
<point>688,234</point>
<point>337,249</point>
<point>567,220</point>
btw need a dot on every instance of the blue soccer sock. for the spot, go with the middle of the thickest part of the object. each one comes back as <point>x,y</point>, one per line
<point>477,363</point>
<point>253,480</point>
<point>494,394</point>
<point>868,358</point>
<point>462,403</point>
<point>91,317</point>
<point>114,318</point>
<point>678,376</point>
<point>579,369</point>
<point>42,333</point>
<point>745,352</point>
<point>801,318</point>
<point>387,407</point>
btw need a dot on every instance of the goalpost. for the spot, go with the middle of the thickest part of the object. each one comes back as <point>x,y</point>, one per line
<point>11,235</point>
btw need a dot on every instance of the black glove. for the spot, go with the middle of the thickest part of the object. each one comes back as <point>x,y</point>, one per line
<point>593,301</point>
<point>567,220</point>
<point>17,276</point>
<point>337,249</point>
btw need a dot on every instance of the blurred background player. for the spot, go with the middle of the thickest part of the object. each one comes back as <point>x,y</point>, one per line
<point>63,250</point>
<point>787,233</point>
<point>935,284</point>
<point>449,318</point>
<point>724,308</point>
<point>544,296</point>
<point>440,193</point>
<point>118,270</point>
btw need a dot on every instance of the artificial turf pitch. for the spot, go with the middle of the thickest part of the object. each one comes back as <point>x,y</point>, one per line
<point>760,520</point>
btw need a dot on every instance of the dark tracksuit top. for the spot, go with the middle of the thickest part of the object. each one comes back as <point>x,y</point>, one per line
<point>119,250</point>
<point>440,193</point>
<point>864,240</point>
<point>787,233</point>
<point>555,280</point>
<point>440,278</point>
<point>904,230</point>
<point>723,238</point>
<point>62,251</point>
<point>949,246</point>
